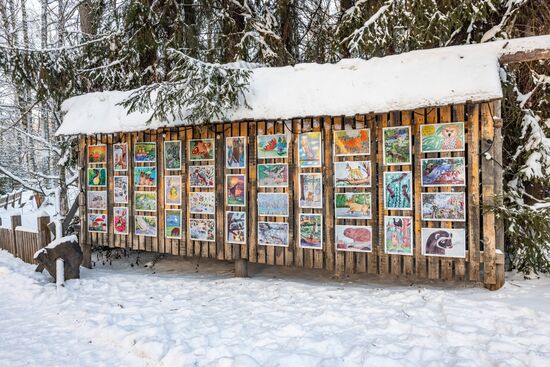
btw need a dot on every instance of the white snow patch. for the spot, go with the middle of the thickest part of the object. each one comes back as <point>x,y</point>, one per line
<point>416,79</point>
<point>174,316</point>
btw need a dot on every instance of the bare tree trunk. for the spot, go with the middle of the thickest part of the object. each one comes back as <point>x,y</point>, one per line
<point>44,116</point>
<point>287,20</point>
<point>26,95</point>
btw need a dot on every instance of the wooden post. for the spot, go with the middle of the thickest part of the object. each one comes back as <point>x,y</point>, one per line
<point>84,244</point>
<point>488,193</point>
<point>15,222</point>
<point>43,236</point>
<point>241,268</point>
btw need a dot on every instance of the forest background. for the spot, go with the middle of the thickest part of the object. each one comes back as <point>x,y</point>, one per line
<point>51,50</point>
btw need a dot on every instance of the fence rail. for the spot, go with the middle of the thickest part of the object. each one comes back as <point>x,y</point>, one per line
<point>11,199</point>
<point>24,243</point>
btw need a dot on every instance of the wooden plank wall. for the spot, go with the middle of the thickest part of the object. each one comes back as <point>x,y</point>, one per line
<point>478,265</point>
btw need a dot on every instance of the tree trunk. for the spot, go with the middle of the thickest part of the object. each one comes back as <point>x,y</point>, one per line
<point>345,5</point>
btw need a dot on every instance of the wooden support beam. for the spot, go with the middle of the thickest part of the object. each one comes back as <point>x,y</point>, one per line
<point>241,268</point>
<point>525,56</point>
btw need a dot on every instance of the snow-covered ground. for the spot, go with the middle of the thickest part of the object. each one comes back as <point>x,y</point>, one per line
<point>179,314</point>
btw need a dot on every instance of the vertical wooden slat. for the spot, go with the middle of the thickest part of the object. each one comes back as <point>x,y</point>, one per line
<point>446,264</point>
<point>433,262</point>
<point>458,116</point>
<point>328,187</point>
<point>406,120</point>
<point>488,192</point>
<point>473,199</point>
<point>420,261</point>
<point>253,205</point>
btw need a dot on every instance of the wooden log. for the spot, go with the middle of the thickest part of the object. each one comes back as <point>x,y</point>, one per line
<point>525,56</point>
<point>241,268</point>
<point>488,192</point>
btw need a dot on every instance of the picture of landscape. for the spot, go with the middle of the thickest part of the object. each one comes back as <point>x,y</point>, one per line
<point>273,234</point>
<point>273,175</point>
<point>352,205</point>
<point>145,152</point>
<point>145,201</point>
<point>145,225</point>
<point>273,204</point>
<point>444,206</point>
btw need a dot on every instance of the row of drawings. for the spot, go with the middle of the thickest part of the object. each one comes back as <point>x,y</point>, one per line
<point>447,137</point>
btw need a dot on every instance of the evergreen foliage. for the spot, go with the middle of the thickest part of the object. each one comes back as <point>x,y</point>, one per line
<point>175,55</point>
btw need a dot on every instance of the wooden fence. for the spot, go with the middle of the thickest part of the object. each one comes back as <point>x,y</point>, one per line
<point>11,199</point>
<point>23,243</point>
<point>484,258</point>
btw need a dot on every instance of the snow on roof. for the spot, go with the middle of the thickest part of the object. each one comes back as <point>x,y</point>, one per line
<point>425,78</point>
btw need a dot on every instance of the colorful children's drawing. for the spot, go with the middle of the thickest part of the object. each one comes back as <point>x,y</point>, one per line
<point>442,206</point>
<point>309,149</point>
<point>172,223</point>
<point>397,145</point>
<point>120,157</point>
<point>311,231</point>
<point>202,202</point>
<point>202,229</point>
<point>311,190</point>
<point>201,150</point>
<point>351,205</point>
<point>121,190</point>
<point>145,201</point>
<point>145,152</point>
<point>97,154</point>
<point>398,190</point>
<point>272,146</point>
<point>273,234</point>
<point>97,177</point>
<point>273,175</point>
<point>97,200</point>
<point>352,142</point>
<point>172,155</point>
<point>398,235</point>
<point>235,152</point>
<point>172,190</point>
<point>352,174</point>
<point>442,137</point>
<point>201,176</point>
<point>443,172</point>
<point>97,223</point>
<point>120,220</point>
<point>235,227</point>
<point>235,190</point>
<point>444,242</point>
<point>145,225</point>
<point>145,176</point>
<point>353,238</point>
<point>273,204</point>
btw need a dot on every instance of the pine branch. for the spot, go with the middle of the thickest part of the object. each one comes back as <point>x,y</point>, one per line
<point>195,91</point>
